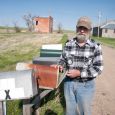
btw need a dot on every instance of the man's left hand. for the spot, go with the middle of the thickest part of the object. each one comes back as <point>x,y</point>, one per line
<point>73,73</point>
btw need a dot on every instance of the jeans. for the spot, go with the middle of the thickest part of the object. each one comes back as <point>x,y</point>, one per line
<point>78,96</point>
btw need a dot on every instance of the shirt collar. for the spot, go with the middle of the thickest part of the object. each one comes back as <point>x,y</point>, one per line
<point>89,42</point>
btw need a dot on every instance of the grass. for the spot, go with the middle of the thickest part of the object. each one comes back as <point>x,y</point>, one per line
<point>106,41</point>
<point>10,58</point>
<point>53,103</point>
<point>14,107</point>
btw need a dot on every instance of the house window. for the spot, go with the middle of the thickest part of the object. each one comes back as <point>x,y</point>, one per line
<point>106,30</point>
<point>36,22</point>
<point>114,31</point>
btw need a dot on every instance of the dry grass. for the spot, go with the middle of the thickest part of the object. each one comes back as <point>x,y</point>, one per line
<point>16,47</point>
<point>25,42</point>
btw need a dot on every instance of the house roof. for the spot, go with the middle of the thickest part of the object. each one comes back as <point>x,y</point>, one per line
<point>109,26</point>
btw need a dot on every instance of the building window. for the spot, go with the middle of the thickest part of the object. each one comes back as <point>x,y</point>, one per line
<point>106,30</point>
<point>114,31</point>
<point>36,22</point>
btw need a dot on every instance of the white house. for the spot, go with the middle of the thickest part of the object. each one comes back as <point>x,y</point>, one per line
<point>106,30</point>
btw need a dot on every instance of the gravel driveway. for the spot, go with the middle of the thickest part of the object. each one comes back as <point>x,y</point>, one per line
<point>104,101</point>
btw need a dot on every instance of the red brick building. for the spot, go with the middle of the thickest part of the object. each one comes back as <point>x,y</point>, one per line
<point>43,24</point>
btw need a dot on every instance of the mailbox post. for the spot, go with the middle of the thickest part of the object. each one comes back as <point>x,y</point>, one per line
<point>1,108</point>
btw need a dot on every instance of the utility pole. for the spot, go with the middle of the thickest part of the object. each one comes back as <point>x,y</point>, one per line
<point>99,18</point>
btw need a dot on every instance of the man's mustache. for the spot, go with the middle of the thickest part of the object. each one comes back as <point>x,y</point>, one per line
<point>81,34</point>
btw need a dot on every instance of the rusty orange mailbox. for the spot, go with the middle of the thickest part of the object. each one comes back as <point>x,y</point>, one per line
<point>47,77</point>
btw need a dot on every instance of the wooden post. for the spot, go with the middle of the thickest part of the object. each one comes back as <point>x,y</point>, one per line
<point>37,112</point>
<point>1,108</point>
<point>27,107</point>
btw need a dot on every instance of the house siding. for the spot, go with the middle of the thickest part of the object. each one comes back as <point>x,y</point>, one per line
<point>109,26</point>
<point>110,33</point>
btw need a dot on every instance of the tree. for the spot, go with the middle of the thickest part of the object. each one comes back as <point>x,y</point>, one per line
<point>16,27</point>
<point>29,21</point>
<point>59,28</point>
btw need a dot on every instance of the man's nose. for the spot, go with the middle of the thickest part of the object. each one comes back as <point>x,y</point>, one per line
<point>82,31</point>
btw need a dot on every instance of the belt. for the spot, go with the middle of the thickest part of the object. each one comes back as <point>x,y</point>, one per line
<point>78,79</point>
<point>83,80</point>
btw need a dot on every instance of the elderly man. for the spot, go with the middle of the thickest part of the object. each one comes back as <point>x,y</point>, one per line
<point>82,58</point>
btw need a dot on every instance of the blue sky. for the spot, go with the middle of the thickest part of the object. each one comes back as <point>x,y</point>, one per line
<point>65,12</point>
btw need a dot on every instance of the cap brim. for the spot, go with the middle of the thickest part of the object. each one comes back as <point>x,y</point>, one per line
<point>84,25</point>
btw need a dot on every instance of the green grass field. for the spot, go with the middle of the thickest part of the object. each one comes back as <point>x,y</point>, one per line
<point>106,41</point>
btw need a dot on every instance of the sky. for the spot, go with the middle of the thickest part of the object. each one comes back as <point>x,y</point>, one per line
<point>64,12</point>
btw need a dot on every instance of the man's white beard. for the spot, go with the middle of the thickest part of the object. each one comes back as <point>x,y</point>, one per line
<point>82,37</point>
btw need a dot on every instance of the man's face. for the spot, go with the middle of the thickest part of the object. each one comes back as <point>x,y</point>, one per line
<point>82,34</point>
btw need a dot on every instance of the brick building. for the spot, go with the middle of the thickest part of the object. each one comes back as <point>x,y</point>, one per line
<point>43,24</point>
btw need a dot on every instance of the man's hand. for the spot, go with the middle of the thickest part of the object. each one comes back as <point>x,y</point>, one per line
<point>58,66</point>
<point>73,73</point>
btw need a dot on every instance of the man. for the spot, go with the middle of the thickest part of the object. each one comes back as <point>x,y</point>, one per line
<point>82,58</point>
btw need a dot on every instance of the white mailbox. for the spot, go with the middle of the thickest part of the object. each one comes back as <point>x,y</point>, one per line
<point>17,85</point>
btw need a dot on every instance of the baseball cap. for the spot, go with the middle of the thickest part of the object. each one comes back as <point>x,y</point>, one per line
<point>85,22</point>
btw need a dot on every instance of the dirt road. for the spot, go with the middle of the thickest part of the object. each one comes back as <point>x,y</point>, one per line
<point>104,101</point>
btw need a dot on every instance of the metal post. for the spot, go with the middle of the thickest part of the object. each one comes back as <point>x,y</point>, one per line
<point>99,17</point>
<point>1,108</point>
<point>4,107</point>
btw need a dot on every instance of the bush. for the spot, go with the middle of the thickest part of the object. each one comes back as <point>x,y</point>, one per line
<point>64,39</point>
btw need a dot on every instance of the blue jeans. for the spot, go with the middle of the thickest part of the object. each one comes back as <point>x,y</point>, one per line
<point>78,97</point>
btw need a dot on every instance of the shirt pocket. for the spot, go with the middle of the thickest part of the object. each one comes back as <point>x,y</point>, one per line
<point>88,61</point>
<point>70,59</point>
